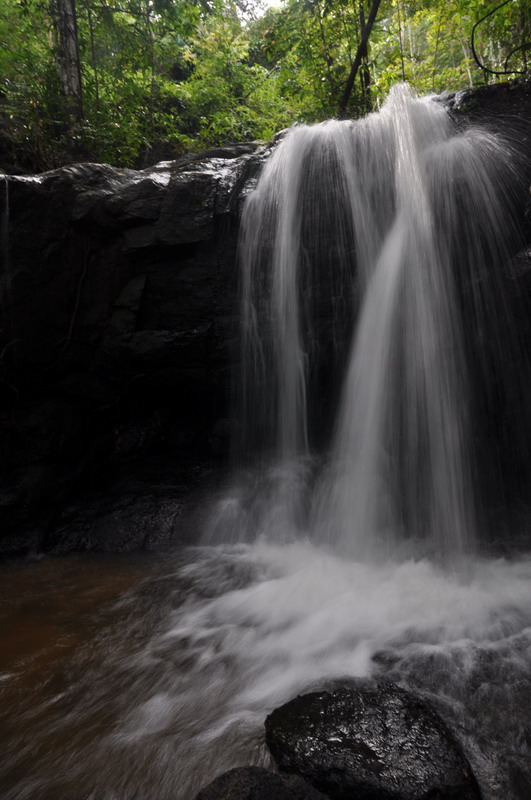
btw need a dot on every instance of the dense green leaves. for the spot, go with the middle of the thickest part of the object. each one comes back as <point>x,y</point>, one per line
<point>161,77</point>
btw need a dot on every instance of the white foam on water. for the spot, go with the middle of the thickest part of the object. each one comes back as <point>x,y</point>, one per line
<point>265,622</point>
<point>177,688</point>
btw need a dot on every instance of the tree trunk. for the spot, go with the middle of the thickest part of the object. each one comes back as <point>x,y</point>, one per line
<point>67,57</point>
<point>362,48</point>
<point>365,75</point>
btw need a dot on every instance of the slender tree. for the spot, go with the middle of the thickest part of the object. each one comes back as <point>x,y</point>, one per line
<point>360,54</point>
<point>63,13</point>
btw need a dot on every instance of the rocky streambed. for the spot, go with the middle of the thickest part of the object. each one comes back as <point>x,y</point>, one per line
<point>365,742</point>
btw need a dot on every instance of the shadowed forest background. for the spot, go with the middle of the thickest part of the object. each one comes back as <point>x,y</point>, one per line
<point>131,82</point>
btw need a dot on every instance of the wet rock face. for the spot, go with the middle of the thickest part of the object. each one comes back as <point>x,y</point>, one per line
<point>503,108</point>
<point>370,743</point>
<point>118,291</point>
<point>255,783</point>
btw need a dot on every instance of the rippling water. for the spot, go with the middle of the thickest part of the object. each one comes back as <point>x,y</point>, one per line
<point>143,677</point>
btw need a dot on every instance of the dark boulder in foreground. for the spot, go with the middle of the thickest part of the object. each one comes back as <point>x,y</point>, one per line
<point>370,743</point>
<point>255,783</point>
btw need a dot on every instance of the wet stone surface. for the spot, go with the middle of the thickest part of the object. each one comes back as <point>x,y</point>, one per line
<point>370,743</point>
<point>255,783</point>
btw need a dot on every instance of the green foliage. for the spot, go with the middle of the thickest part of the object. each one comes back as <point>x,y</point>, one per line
<point>426,42</point>
<point>161,77</point>
<point>230,97</point>
<point>313,43</point>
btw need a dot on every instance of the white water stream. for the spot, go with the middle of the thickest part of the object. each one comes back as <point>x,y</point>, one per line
<point>404,214</point>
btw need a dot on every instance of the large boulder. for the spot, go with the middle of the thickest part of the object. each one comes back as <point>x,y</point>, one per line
<point>370,743</point>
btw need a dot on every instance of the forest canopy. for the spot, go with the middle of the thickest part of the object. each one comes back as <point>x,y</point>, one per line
<point>133,81</point>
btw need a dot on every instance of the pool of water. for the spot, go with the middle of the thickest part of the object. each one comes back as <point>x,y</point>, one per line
<point>144,676</point>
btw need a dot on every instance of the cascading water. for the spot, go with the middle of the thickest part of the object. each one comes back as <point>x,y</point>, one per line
<point>379,397</point>
<point>406,213</point>
<point>401,452</point>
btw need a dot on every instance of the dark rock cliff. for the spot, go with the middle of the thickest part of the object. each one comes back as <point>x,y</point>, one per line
<point>119,321</point>
<point>119,297</point>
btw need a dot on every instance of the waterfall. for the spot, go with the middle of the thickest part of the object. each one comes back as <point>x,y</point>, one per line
<point>372,255</point>
<point>381,396</point>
